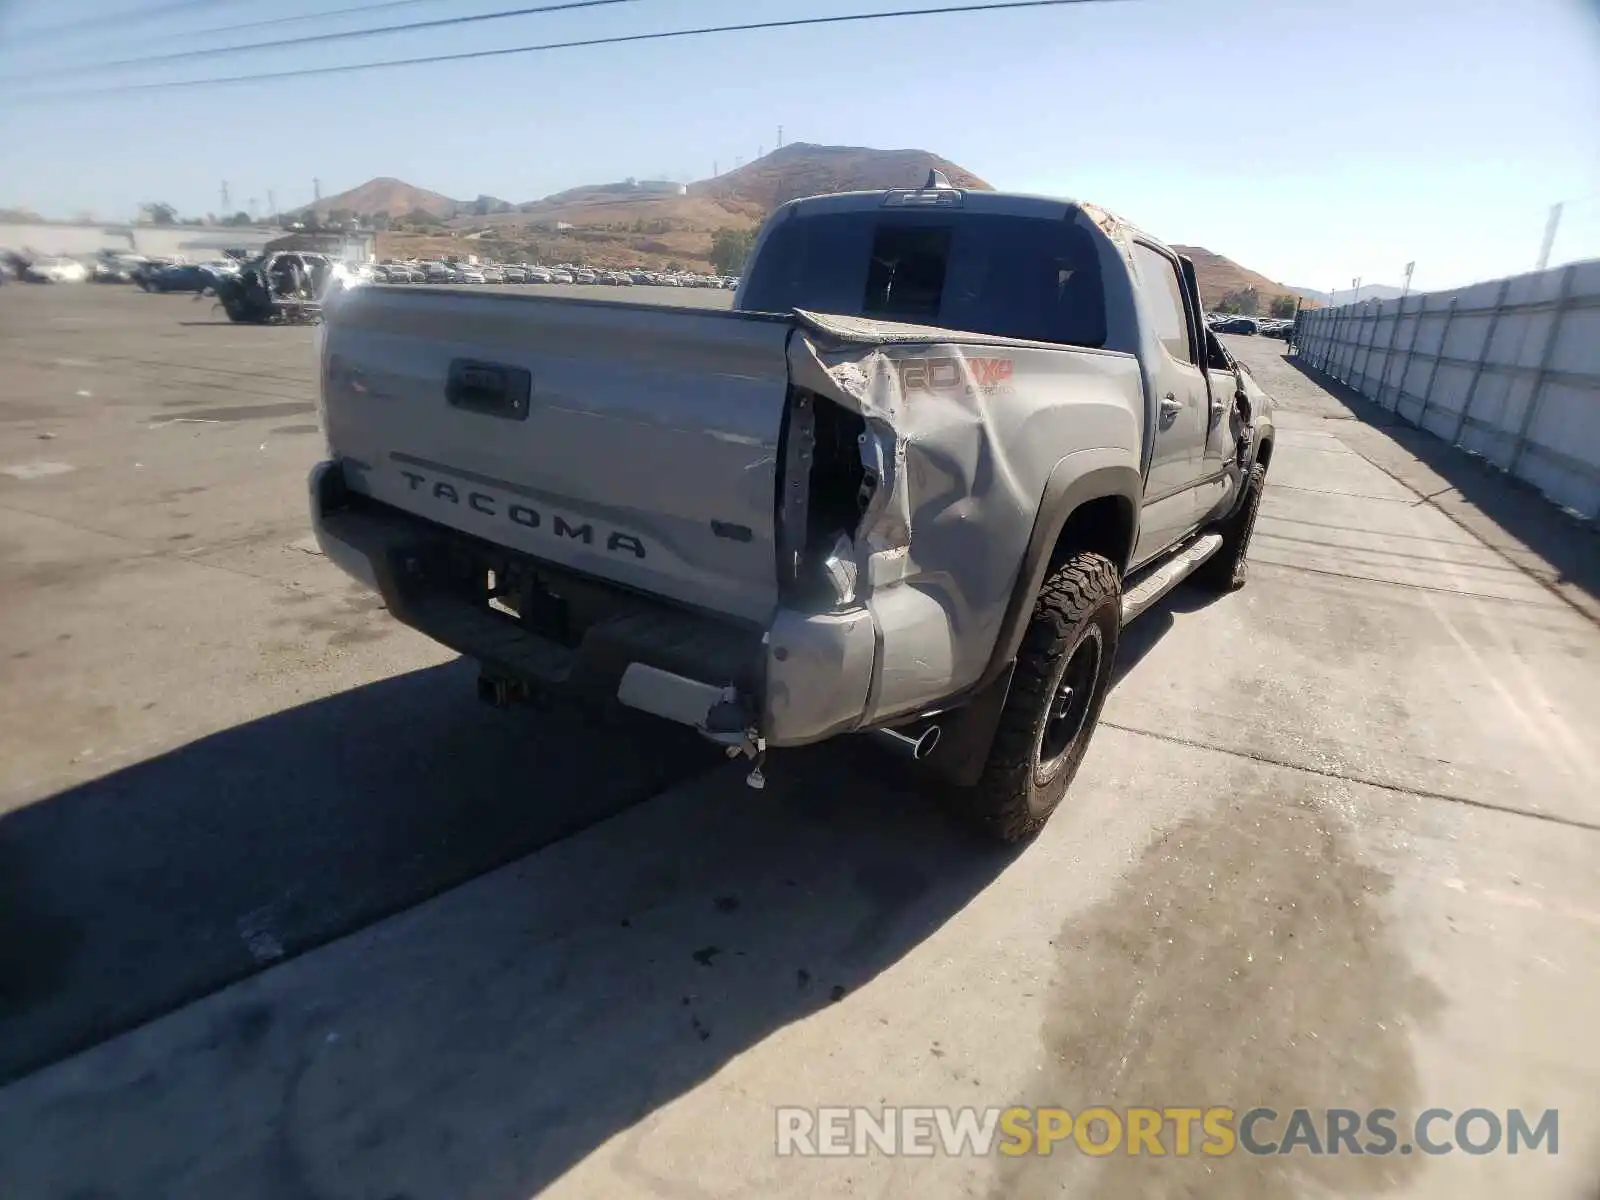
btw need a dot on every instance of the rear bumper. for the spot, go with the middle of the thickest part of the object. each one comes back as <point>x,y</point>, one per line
<point>806,677</point>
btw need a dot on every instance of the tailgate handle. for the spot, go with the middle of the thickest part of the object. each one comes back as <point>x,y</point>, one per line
<point>489,388</point>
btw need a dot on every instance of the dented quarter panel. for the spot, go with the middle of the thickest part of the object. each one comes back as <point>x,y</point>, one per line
<point>966,430</point>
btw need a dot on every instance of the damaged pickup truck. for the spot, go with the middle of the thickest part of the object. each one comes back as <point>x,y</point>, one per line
<point>287,287</point>
<point>947,444</point>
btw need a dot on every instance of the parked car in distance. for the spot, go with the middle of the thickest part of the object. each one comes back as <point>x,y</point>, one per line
<point>562,277</point>
<point>1244,325</point>
<point>492,273</point>
<point>179,277</point>
<point>516,275</point>
<point>55,270</point>
<point>467,273</point>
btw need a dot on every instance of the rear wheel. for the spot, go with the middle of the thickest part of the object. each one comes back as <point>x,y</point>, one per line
<point>1227,569</point>
<point>1062,674</point>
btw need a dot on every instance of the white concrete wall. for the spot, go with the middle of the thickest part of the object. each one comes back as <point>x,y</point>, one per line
<point>161,241</point>
<point>1508,370</point>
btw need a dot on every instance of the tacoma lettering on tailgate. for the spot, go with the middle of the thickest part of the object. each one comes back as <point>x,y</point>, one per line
<point>524,514</point>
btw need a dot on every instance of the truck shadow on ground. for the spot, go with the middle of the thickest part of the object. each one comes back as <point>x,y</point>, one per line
<point>1514,506</point>
<point>485,1044</point>
<point>158,883</point>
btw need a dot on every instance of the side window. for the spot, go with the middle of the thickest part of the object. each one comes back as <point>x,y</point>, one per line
<point>1163,296</point>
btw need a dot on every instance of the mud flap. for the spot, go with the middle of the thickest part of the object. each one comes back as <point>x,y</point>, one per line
<point>967,733</point>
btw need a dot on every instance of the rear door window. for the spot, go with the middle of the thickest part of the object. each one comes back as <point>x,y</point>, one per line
<point>1023,277</point>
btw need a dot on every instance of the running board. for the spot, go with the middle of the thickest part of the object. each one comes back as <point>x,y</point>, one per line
<point>1168,575</point>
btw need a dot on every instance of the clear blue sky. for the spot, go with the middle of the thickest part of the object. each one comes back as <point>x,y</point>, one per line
<point>1313,141</point>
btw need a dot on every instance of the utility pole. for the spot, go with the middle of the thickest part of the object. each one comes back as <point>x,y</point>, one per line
<point>251,210</point>
<point>225,204</point>
<point>316,190</point>
<point>1406,290</point>
<point>272,205</point>
<point>716,168</point>
<point>1550,227</point>
<point>1355,289</point>
<point>779,146</point>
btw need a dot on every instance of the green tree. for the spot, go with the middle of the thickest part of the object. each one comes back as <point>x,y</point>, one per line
<point>160,213</point>
<point>238,218</point>
<point>1282,307</point>
<point>730,248</point>
<point>1245,302</point>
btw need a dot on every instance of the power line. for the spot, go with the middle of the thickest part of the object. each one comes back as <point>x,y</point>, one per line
<point>616,40</point>
<point>325,14</point>
<point>111,20</point>
<point>315,38</point>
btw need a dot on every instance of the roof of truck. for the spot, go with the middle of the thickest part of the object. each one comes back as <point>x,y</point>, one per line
<point>1116,228</point>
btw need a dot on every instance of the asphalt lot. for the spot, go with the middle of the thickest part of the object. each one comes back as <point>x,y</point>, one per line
<point>285,913</point>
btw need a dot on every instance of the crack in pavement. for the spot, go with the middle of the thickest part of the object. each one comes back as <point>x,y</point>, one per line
<point>1364,780</point>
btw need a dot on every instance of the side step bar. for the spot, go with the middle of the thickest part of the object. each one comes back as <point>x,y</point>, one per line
<point>1163,578</point>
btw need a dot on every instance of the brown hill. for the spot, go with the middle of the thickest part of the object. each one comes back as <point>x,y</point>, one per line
<point>394,197</point>
<point>741,198</point>
<point>802,169</point>
<point>1219,277</point>
<point>619,224</point>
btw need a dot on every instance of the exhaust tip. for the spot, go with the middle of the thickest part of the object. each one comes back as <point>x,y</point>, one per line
<point>915,748</point>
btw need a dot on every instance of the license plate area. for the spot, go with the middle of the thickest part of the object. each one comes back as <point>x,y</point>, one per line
<point>489,389</point>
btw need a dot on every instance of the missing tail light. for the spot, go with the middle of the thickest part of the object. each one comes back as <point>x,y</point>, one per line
<point>823,490</point>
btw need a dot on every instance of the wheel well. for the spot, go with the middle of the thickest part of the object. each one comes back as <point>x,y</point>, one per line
<point>1103,525</point>
<point>1264,454</point>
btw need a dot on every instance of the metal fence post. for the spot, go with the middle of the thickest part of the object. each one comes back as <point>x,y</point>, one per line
<point>1444,336</point>
<point>1483,358</point>
<point>1411,349</point>
<point>1388,353</point>
<point>1340,371</point>
<point>1530,409</point>
<point>1347,352</point>
<point>1377,319</point>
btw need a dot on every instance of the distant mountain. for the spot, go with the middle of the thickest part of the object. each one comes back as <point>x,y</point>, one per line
<point>652,219</point>
<point>1369,291</point>
<point>393,197</point>
<point>802,169</point>
<point>1219,276</point>
<point>626,223</point>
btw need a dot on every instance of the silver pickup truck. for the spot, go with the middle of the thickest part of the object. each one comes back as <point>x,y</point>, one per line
<point>944,447</point>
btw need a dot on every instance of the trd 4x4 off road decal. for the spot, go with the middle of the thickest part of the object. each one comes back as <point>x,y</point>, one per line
<point>945,374</point>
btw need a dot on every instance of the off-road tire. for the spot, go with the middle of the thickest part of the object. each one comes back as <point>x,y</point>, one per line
<point>1226,570</point>
<point>1079,604</point>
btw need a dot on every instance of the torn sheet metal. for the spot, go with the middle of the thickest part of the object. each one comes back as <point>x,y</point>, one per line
<point>962,434</point>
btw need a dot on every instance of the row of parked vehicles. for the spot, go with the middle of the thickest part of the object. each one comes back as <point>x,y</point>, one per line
<point>151,274</point>
<point>1274,327</point>
<point>447,272</point>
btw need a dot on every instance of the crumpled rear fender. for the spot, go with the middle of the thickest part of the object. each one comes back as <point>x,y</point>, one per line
<point>963,435</point>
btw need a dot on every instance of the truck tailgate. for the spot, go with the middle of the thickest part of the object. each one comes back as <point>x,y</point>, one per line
<point>634,443</point>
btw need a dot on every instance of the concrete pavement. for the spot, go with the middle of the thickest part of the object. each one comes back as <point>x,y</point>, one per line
<point>1333,845</point>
